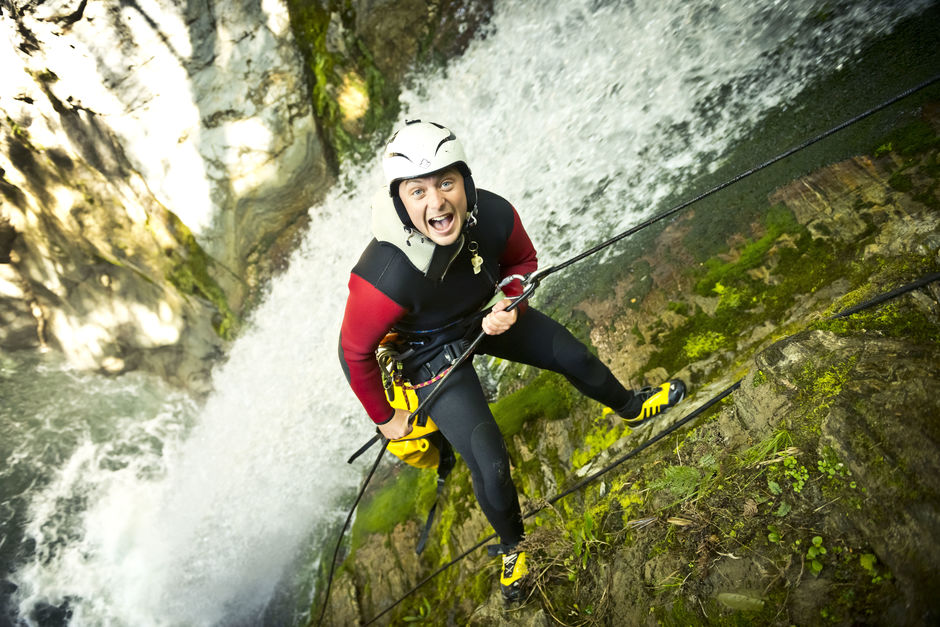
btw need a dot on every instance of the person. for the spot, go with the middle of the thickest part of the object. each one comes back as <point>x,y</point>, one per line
<point>440,248</point>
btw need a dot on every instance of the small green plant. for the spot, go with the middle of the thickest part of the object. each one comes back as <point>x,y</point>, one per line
<point>796,472</point>
<point>759,379</point>
<point>728,297</point>
<point>774,537</point>
<point>868,562</point>
<point>814,555</point>
<point>424,612</point>
<point>883,149</point>
<point>640,339</point>
<point>584,541</point>
<point>681,481</point>
<point>765,449</point>
<point>832,469</point>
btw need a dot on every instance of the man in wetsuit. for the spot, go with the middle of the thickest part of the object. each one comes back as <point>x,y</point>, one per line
<point>440,249</point>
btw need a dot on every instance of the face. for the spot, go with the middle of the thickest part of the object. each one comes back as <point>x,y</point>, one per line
<point>436,204</point>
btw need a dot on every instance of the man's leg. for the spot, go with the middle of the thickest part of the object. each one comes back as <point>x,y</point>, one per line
<point>464,418</point>
<point>537,340</point>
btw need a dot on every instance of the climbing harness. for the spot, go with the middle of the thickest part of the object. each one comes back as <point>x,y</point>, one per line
<point>532,281</point>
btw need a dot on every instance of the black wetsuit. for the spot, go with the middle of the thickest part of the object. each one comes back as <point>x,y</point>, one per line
<point>388,292</point>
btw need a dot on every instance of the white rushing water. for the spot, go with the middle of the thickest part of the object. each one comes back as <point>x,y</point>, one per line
<point>584,114</point>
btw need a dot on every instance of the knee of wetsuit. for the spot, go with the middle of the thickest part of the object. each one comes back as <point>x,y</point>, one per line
<point>492,459</point>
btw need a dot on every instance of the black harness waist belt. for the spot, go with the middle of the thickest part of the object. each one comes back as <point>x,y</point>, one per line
<point>420,371</point>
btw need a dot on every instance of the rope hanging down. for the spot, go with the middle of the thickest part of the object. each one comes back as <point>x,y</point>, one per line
<point>532,281</point>
<point>329,581</point>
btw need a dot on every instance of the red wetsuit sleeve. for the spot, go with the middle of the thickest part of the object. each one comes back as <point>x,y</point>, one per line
<point>518,257</point>
<point>369,316</point>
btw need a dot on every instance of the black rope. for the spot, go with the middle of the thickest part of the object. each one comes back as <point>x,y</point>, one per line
<point>339,542</point>
<point>904,289</point>
<point>533,280</point>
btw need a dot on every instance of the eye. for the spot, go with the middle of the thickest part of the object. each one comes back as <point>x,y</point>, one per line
<point>416,193</point>
<point>447,184</point>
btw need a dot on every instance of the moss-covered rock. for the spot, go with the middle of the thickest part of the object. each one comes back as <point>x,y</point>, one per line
<point>358,52</point>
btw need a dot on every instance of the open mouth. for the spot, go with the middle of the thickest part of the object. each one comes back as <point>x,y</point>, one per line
<point>442,224</point>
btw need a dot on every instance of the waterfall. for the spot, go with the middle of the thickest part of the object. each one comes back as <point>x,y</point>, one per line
<point>584,114</point>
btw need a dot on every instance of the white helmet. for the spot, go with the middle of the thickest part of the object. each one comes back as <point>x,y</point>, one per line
<point>420,148</point>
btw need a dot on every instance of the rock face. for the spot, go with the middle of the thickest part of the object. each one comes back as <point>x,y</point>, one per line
<point>91,257</point>
<point>358,53</point>
<point>208,102</point>
<point>880,420</point>
<point>151,157</point>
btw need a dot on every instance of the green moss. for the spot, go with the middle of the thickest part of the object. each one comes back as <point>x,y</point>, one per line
<point>601,437</point>
<point>894,319</point>
<point>331,74</point>
<point>778,220</point>
<point>901,182</point>
<point>915,137</point>
<point>682,612</point>
<point>407,497</point>
<point>745,301</point>
<point>702,344</point>
<point>190,275</point>
<point>548,396</point>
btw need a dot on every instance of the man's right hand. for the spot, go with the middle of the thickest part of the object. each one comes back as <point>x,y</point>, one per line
<point>398,426</point>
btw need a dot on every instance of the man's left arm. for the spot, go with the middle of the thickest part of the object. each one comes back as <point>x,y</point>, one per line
<point>519,257</point>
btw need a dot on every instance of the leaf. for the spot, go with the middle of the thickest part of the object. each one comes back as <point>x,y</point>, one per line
<point>783,509</point>
<point>741,602</point>
<point>868,561</point>
<point>681,522</point>
<point>774,487</point>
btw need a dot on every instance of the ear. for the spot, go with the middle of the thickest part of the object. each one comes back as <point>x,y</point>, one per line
<point>400,206</point>
<point>471,191</point>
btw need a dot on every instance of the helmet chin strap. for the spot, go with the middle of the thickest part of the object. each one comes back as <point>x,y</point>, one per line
<point>470,190</point>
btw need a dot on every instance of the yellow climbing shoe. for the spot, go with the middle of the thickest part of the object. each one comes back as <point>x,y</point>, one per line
<point>510,578</point>
<point>653,401</point>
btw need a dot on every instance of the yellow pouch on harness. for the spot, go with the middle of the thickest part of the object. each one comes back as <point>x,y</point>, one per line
<point>416,448</point>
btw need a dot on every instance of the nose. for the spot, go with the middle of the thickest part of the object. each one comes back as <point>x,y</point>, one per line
<point>435,198</point>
